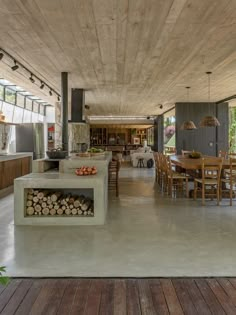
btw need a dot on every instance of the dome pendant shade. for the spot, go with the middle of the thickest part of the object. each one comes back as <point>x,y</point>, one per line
<point>209,121</point>
<point>188,125</point>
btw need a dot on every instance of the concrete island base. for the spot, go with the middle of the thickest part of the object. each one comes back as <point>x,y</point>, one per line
<point>95,186</point>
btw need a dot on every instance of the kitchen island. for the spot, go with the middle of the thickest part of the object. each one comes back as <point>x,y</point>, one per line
<point>13,165</point>
<point>61,197</point>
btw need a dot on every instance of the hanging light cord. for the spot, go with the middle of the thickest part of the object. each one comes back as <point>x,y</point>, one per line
<point>187,88</point>
<point>209,86</point>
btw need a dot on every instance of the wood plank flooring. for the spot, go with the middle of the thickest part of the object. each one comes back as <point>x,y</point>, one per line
<point>175,296</point>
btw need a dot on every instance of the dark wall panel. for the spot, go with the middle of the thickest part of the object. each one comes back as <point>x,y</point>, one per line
<point>158,133</point>
<point>204,139</point>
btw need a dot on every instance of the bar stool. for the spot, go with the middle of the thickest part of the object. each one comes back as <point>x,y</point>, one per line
<point>140,162</point>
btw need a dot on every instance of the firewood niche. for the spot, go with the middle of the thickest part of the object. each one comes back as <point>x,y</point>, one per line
<point>51,202</point>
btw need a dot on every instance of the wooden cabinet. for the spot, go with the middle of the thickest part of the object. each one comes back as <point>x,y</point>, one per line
<point>25,165</point>
<point>12,169</point>
<point>98,136</point>
<point>141,133</point>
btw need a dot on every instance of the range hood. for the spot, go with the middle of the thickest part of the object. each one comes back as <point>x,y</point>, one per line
<point>77,106</point>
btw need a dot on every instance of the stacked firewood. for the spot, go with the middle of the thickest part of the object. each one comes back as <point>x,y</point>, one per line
<point>54,203</point>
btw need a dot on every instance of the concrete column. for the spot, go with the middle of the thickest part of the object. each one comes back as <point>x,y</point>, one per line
<point>158,133</point>
<point>64,104</point>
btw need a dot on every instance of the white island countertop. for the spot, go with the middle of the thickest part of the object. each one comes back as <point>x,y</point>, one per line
<point>63,179</point>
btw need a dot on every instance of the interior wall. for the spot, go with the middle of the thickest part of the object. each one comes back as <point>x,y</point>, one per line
<point>207,140</point>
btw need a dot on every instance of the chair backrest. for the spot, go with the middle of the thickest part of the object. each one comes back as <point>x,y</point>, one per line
<point>232,170</point>
<point>185,152</point>
<point>231,154</point>
<point>162,161</point>
<point>169,166</point>
<point>157,159</point>
<point>223,154</point>
<point>211,168</point>
<point>114,166</point>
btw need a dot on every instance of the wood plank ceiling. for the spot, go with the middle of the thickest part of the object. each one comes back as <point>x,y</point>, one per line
<point>129,55</point>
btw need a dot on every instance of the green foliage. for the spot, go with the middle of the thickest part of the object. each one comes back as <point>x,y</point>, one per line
<point>232,130</point>
<point>3,279</point>
<point>10,96</point>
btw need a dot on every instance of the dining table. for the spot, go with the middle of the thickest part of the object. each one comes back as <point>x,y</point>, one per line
<point>188,163</point>
<point>193,165</point>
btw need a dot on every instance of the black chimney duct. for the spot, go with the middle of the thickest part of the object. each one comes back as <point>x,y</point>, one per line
<point>77,105</point>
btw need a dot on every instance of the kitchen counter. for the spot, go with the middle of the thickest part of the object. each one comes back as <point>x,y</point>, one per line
<point>14,156</point>
<point>13,165</point>
<point>101,162</point>
<point>69,164</point>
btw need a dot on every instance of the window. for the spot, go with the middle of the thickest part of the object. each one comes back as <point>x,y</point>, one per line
<point>232,129</point>
<point>150,136</point>
<point>10,95</point>
<point>20,100</point>
<point>169,132</point>
<point>35,107</point>
<point>1,92</point>
<point>28,103</point>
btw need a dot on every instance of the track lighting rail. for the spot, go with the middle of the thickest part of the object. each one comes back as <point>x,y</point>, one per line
<point>32,77</point>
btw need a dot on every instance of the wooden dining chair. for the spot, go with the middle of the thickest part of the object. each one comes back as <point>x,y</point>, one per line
<point>209,182</point>
<point>228,183</point>
<point>223,154</point>
<point>176,181</point>
<point>113,176</point>
<point>157,166</point>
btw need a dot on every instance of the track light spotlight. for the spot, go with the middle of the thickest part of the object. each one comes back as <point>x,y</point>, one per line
<point>1,56</point>
<point>50,92</point>
<point>58,98</point>
<point>87,107</point>
<point>15,67</point>
<point>42,85</point>
<point>31,78</point>
<point>161,106</point>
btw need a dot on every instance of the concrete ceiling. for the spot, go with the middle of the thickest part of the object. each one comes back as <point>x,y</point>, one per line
<point>129,55</point>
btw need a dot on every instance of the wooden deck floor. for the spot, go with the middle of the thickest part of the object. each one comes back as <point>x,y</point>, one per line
<point>119,296</point>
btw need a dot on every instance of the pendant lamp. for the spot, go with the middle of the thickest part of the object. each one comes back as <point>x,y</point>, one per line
<point>209,121</point>
<point>188,124</point>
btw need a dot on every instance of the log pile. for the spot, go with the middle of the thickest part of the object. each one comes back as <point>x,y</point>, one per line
<point>55,203</point>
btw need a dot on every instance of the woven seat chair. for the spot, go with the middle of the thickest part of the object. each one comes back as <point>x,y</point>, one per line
<point>228,184</point>
<point>163,174</point>
<point>113,176</point>
<point>175,181</point>
<point>209,182</point>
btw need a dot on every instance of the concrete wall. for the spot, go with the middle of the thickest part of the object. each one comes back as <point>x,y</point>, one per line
<point>78,133</point>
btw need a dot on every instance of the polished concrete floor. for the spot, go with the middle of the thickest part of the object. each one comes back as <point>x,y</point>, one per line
<point>147,234</point>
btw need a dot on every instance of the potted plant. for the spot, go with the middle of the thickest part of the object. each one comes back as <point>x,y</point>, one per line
<point>3,279</point>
